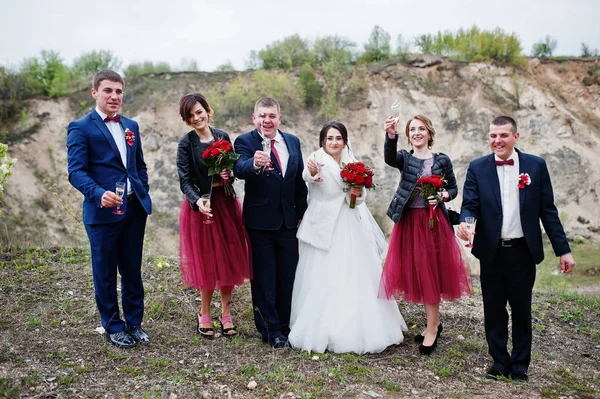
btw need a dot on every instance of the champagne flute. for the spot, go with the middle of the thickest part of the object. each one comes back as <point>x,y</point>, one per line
<point>470,222</point>
<point>266,144</point>
<point>396,111</point>
<point>205,199</point>
<point>120,191</point>
<point>318,179</point>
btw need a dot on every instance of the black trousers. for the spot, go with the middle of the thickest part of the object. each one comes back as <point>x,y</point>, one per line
<point>274,262</point>
<point>509,278</point>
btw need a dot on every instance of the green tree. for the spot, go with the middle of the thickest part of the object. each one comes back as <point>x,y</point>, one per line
<point>227,66</point>
<point>424,43</point>
<point>402,47</point>
<point>333,48</point>
<point>586,51</point>
<point>544,48</point>
<point>87,64</point>
<point>188,65</point>
<point>12,90</point>
<point>254,61</point>
<point>140,68</point>
<point>48,74</point>
<point>292,52</point>
<point>312,91</point>
<point>377,47</point>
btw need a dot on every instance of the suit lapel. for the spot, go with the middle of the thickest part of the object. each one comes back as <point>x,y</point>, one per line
<point>291,164</point>
<point>129,149</point>
<point>523,168</point>
<point>102,126</point>
<point>491,175</point>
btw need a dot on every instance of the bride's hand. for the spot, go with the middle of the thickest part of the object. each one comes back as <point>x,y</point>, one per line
<point>356,191</point>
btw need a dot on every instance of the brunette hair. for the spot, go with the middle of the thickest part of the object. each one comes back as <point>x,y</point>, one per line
<point>188,102</point>
<point>505,120</point>
<point>335,125</point>
<point>267,102</point>
<point>427,122</point>
<point>106,74</point>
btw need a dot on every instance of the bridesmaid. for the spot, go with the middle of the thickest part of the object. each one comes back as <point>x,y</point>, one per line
<point>423,265</point>
<point>216,255</point>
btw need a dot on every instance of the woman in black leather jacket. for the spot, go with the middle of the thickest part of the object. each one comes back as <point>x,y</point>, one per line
<point>214,248</point>
<point>425,263</point>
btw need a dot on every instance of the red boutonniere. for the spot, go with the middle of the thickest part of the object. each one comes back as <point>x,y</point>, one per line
<point>129,137</point>
<point>524,180</point>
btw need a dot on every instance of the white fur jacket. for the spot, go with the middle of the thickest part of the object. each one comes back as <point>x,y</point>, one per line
<point>325,200</point>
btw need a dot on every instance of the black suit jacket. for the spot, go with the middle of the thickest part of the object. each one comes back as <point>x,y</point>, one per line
<point>271,200</point>
<point>481,199</point>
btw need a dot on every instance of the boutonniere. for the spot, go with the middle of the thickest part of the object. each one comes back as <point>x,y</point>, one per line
<point>524,180</point>
<point>129,137</point>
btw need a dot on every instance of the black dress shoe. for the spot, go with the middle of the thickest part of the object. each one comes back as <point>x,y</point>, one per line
<point>139,335</point>
<point>280,343</point>
<point>419,338</point>
<point>121,339</point>
<point>521,377</point>
<point>494,374</point>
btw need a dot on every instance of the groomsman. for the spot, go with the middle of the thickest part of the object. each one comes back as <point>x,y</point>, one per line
<point>509,192</point>
<point>105,148</point>
<point>274,203</point>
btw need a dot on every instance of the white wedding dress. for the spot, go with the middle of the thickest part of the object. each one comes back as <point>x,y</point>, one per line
<point>335,305</point>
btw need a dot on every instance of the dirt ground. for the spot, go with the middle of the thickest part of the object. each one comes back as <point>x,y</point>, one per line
<point>50,348</point>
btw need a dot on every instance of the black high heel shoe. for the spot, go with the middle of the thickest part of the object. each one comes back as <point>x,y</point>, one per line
<point>419,338</point>
<point>428,350</point>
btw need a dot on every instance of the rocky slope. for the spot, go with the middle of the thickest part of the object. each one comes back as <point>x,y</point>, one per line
<point>556,104</point>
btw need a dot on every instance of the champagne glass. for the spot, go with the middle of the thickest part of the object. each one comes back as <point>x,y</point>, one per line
<point>396,111</point>
<point>205,198</point>
<point>266,144</point>
<point>120,191</point>
<point>318,179</point>
<point>470,222</point>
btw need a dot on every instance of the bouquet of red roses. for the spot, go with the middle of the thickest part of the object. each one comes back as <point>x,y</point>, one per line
<point>428,186</point>
<point>218,156</point>
<point>357,174</point>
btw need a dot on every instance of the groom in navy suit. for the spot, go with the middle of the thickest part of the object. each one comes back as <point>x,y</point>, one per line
<point>509,192</point>
<point>274,203</point>
<point>105,148</point>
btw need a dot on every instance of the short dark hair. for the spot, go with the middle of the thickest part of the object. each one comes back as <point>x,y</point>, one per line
<point>335,125</point>
<point>188,102</point>
<point>267,102</point>
<point>427,122</point>
<point>106,74</point>
<point>505,120</point>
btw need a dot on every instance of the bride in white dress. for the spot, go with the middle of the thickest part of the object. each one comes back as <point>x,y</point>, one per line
<point>335,305</point>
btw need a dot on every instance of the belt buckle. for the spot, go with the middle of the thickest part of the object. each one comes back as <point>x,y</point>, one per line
<point>506,243</point>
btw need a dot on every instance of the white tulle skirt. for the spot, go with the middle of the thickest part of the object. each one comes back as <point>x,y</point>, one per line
<point>335,306</point>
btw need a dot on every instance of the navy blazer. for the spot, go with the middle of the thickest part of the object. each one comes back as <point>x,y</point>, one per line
<point>95,165</point>
<point>271,200</point>
<point>482,200</point>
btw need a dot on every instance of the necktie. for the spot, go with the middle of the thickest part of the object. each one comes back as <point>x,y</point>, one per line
<point>115,118</point>
<point>507,162</point>
<point>274,151</point>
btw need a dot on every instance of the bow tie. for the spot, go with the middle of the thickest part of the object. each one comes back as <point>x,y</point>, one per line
<point>115,118</point>
<point>507,162</point>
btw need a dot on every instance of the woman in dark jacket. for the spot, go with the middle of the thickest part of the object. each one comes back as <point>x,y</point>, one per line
<point>424,263</point>
<point>214,248</point>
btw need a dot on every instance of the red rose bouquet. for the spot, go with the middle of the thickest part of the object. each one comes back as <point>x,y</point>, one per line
<point>428,186</point>
<point>357,174</point>
<point>218,156</point>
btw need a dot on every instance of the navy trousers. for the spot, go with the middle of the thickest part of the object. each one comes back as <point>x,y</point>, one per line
<point>509,278</point>
<point>118,247</point>
<point>274,261</point>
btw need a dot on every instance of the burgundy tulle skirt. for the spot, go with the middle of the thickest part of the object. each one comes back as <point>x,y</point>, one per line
<point>425,265</point>
<point>217,255</point>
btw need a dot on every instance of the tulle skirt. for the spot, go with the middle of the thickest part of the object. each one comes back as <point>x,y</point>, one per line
<point>334,302</point>
<point>217,255</point>
<point>425,265</point>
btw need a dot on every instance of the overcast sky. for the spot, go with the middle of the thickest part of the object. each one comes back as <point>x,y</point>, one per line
<point>212,32</point>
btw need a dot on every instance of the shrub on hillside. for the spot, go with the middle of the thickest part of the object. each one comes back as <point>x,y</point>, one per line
<point>47,75</point>
<point>291,52</point>
<point>140,68</point>
<point>544,48</point>
<point>377,47</point>
<point>312,91</point>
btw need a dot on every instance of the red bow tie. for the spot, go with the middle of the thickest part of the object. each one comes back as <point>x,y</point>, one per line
<point>115,118</point>
<point>507,162</point>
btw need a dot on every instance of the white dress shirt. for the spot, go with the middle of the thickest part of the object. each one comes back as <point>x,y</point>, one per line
<point>508,176</point>
<point>118,135</point>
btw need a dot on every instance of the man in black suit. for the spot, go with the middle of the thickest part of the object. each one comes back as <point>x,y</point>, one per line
<point>509,192</point>
<point>274,203</point>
